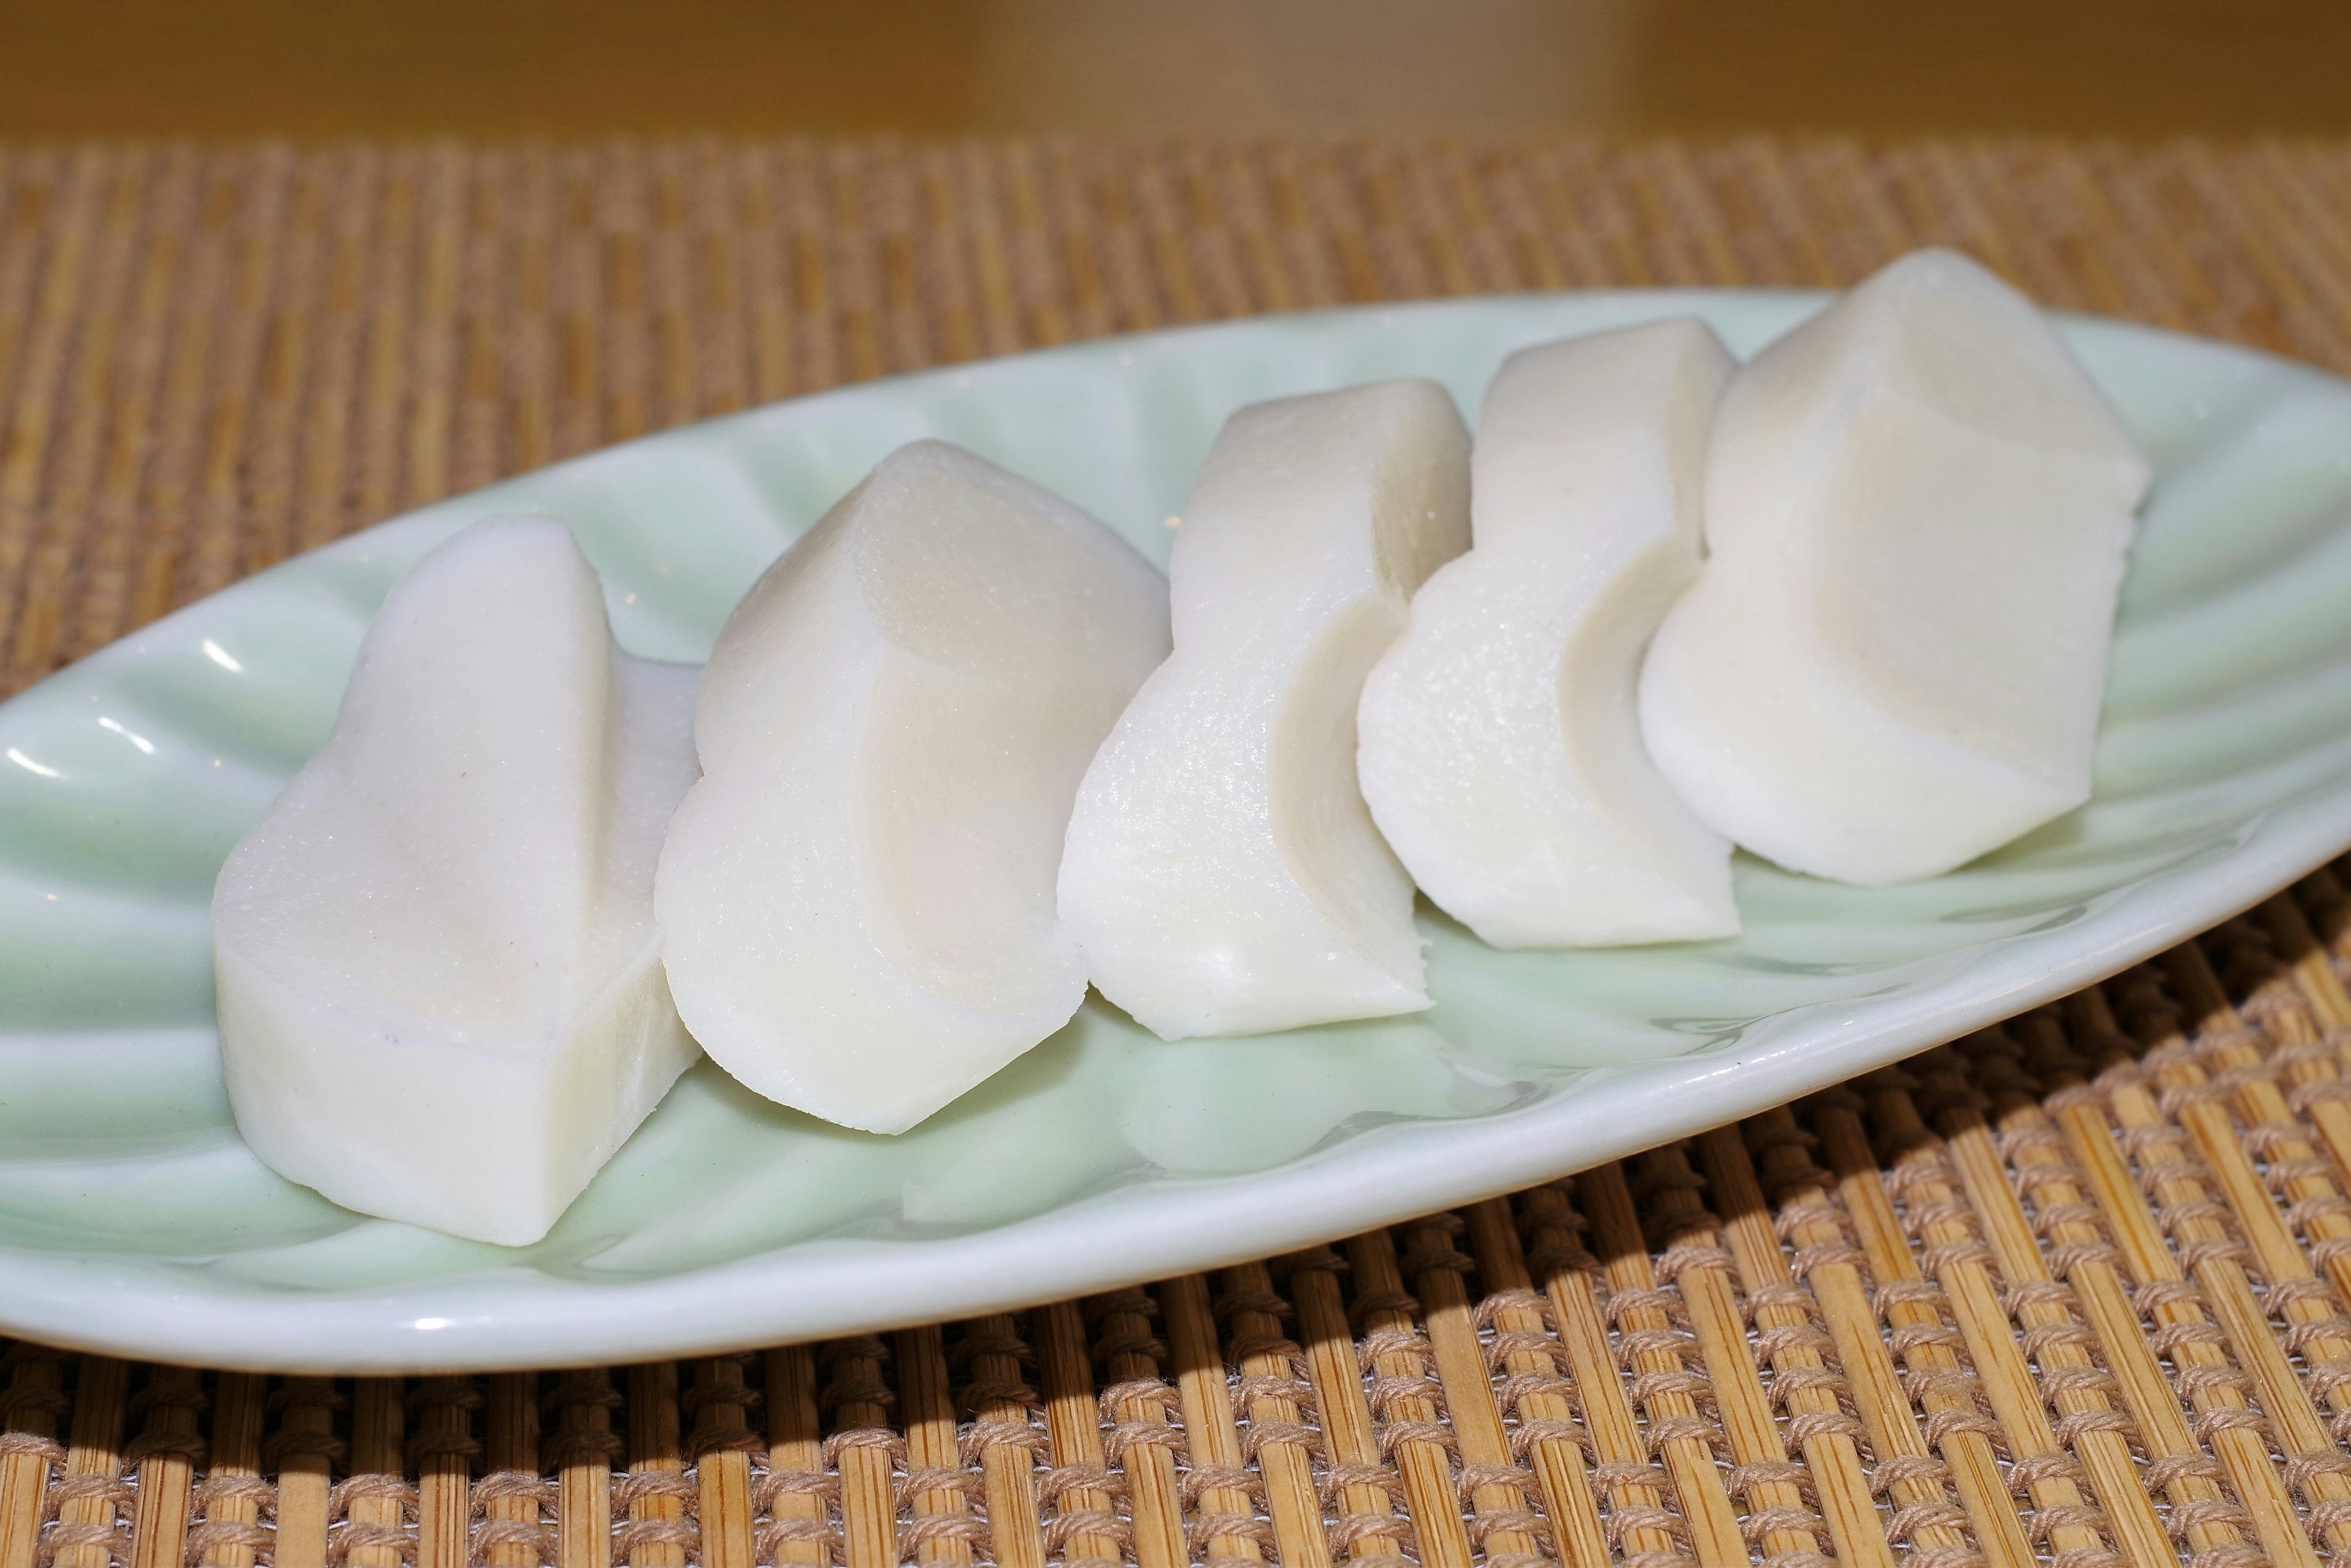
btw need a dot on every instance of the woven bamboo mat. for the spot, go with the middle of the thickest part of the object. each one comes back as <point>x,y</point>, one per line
<point>210,359</point>
<point>2070,1291</point>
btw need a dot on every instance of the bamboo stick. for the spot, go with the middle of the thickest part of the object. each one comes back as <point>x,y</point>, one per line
<point>942,1530</point>
<point>1273,1390</point>
<point>1225,1522</point>
<point>1696,1268</point>
<point>2087,1420</point>
<point>656,1489</point>
<point>2311,967</point>
<point>376,1495</point>
<point>1949,1231</point>
<point>229,1533</point>
<point>800,1528</point>
<point>2066,1220</point>
<point>446,1447</point>
<point>2294,1420</point>
<point>165,1454</point>
<point>1402,1399</point>
<point>88,1516</point>
<point>723,1445</point>
<point>1530,1358</point>
<point>1906,1469</point>
<point>2326,1010</point>
<point>1500,1523</point>
<point>305,1444</point>
<point>1804,1385</point>
<point>1142,1443</point>
<point>35,1400</point>
<point>2195,1341</point>
<point>581,1453</point>
<point>864,1449</point>
<point>1647,1348</point>
<point>1946,1384</point>
<point>1638,1520</point>
<point>1005,1439</point>
<point>1367,1523</point>
<point>511,1494</point>
<point>2297,1171</point>
<point>1086,1528</point>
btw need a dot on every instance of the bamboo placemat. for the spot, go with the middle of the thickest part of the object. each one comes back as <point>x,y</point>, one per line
<point>2069,1290</point>
<point>210,359</point>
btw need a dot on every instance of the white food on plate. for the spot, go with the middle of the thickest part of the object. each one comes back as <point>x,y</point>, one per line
<point>1500,752</point>
<point>857,900</point>
<point>1918,508</point>
<point>441,998</point>
<point>1222,874</point>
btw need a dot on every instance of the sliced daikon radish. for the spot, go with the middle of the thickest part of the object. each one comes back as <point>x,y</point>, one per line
<point>440,996</point>
<point>1918,506</point>
<point>857,900</point>
<point>1222,874</point>
<point>1500,751</point>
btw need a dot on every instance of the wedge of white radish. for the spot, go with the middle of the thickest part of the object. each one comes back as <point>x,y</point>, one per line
<point>441,998</point>
<point>1918,506</point>
<point>1222,874</point>
<point>1499,749</point>
<point>857,900</point>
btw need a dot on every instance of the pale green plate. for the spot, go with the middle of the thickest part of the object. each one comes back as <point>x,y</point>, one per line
<point>132,1219</point>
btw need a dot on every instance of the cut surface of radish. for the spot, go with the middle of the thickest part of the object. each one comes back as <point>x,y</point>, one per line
<point>1500,751</point>
<point>440,993</point>
<point>1222,875</point>
<point>856,901</point>
<point>1917,511</point>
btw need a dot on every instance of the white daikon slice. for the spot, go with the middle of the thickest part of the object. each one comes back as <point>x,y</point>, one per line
<point>1222,874</point>
<point>1918,508</point>
<point>856,901</point>
<point>440,996</point>
<point>1500,751</point>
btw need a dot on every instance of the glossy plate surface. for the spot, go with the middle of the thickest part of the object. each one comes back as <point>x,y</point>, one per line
<point>132,1219</point>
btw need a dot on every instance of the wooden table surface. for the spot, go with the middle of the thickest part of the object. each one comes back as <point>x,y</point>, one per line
<point>494,68</point>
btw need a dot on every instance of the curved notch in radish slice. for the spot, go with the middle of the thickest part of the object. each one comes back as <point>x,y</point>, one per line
<point>1918,508</point>
<point>440,996</point>
<point>1222,874</point>
<point>857,900</point>
<point>1499,751</point>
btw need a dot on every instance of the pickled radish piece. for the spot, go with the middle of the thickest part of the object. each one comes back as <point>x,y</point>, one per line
<point>1500,751</point>
<point>1918,508</point>
<point>1222,874</point>
<point>440,996</point>
<point>857,899</point>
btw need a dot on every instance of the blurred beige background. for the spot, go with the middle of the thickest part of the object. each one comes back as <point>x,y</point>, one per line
<point>1205,67</point>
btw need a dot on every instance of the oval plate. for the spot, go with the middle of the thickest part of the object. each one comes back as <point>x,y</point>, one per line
<point>132,1220</point>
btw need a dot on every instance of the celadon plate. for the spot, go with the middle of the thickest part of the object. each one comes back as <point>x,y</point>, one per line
<point>131,1218</point>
